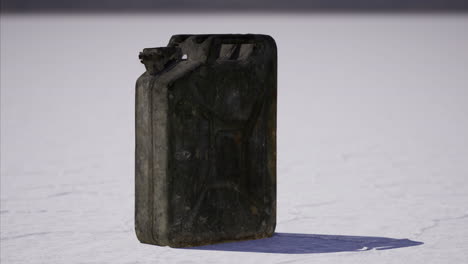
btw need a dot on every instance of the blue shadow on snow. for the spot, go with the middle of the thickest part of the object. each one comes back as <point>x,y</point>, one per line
<point>290,243</point>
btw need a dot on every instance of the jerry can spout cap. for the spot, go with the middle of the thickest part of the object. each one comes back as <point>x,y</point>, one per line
<point>156,60</point>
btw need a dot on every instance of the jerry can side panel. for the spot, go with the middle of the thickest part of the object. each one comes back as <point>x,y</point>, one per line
<point>204,180</point>
<point>210,117</point>
<point>151,169</point>
<point>143,156</point>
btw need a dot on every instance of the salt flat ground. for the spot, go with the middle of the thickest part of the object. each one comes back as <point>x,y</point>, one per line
<point>372,138</point>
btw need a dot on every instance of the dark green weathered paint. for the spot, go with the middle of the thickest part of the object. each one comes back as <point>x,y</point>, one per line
<point>206,140</point>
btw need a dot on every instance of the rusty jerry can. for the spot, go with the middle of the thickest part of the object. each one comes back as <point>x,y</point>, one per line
<point>205,158</point>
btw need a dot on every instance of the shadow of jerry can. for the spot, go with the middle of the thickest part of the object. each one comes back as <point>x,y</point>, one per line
<point>205,161</point>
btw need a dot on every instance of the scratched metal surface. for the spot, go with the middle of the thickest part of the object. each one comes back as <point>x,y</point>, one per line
<point>212,117</point>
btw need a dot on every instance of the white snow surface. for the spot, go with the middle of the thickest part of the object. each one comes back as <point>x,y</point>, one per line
<point>372,137</point>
